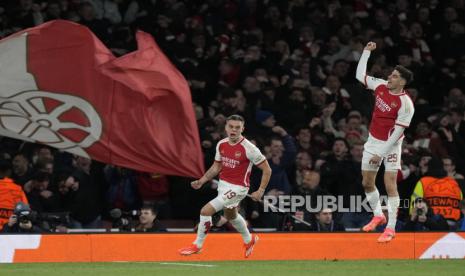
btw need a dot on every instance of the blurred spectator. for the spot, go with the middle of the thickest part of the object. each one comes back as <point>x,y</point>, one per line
<point>335,171</point>
<point>11,193</point>
<point>121,192</point>
<point>44,166</point>
<point>356,129</point>
<point>21,169</point>
<point>449,167</point>
<point>154,189</point>
<point>457,121</point>
<point>26,14</point>
<point>265,122</point>
<point>325,222</point>
<point>303,162</point>
<point>441,192</point>
<point>53,11</point>
<point>353,188</point>
<point>304,139</point>
<point>84,200</point>
<point>148,220</point>
<point>42,154</point>
<point>21,221</point>
<point>427,139</point>
<point>107,9</point>
<point>422,218</point>
<point>283,152</point>
<point>311,186</point>
<point>88,17</point>
<point>314,199</point>
<point>40,195</point>
<point>335,93</point>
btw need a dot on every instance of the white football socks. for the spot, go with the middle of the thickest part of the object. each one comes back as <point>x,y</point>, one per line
<point>393,205</point>
<point>202,230</point>
<point>241,227</point>
<point>375,204</point>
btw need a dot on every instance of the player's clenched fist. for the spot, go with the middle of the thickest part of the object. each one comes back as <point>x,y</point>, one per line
<point>196,184</point>
<point>370,46</point>
<point>257,195</point>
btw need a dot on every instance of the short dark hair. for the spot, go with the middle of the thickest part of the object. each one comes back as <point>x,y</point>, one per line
<point>343,140</point>
<point>235,117</point>
<point>150,207</point>
<point>405,73</point>
<point>452,160</point>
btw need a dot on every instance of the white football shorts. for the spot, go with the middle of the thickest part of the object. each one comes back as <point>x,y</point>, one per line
<point>229,195</point>
<point>391,160</point>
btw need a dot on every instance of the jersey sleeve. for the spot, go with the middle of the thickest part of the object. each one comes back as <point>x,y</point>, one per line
<point>372,82</point>
<point>361,73</point>
<point>254,155</point>
<point>217,153</point>
<point>405,113</point>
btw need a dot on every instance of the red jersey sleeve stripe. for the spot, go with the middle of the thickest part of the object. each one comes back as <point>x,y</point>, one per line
<point>402,125</point>
<point>365,79</point>
<point>260,162</point>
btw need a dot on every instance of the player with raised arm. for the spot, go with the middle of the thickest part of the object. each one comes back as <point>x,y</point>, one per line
<point>234,159</point>
<point>392,114</point>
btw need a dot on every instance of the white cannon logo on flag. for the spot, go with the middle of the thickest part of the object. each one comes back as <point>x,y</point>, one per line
<point>27,113</point>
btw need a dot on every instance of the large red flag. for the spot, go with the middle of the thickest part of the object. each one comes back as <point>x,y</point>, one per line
<point>59,85</point>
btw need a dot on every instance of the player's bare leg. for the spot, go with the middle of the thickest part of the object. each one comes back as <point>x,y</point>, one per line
<point>390,180</point>
<point>372,194</point>
<point>205,223</point>
<point>240,224</point>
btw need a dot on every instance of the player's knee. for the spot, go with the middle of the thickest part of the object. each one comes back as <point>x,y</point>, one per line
<point>369,180</point>
<point>203,212</point>
<point>368,183</point>
<point>207,211</point>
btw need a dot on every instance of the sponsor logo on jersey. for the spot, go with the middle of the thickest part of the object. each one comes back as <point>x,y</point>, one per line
<point>229,163</point>
<point>382,105</point>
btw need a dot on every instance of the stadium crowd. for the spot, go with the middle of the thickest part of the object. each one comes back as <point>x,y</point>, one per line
<point>288,67</point>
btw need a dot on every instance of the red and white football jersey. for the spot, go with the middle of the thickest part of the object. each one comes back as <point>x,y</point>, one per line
<point>237,160</point>
<point>389,109</point>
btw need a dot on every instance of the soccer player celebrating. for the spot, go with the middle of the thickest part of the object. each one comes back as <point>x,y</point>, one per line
<point>392,113</point>
<point>234,159</point>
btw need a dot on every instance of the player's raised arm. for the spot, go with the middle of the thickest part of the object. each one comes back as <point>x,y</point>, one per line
<point>361,74</point>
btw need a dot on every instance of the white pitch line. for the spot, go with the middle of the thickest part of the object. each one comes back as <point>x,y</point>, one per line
<point>185,264</point>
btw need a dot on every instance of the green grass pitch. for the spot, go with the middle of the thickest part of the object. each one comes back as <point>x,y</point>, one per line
<point>243,268</point>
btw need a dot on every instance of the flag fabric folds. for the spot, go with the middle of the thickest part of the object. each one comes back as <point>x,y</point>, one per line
<point>60,86</point>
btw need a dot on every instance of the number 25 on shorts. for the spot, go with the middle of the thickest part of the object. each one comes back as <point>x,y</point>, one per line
<point>392,158</point>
